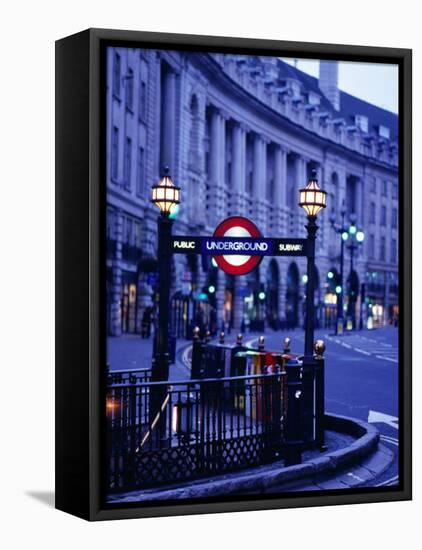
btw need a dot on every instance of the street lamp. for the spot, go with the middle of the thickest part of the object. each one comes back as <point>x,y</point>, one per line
<point>312,199</point>
<point>344,235</point>
<point>165,195</point>
<point>356,238</point>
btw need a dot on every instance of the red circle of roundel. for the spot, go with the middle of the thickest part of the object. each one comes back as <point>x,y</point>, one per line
<point>249,227</point>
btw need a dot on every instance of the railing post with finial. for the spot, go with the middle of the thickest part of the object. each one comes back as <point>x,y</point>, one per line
<point>319,348</point>
<point>293,434</point>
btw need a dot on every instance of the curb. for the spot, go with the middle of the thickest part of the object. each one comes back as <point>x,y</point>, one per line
<point>264,477</point>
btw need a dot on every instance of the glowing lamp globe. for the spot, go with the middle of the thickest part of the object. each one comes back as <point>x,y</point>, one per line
<point>360,236</point>
<point>312,199</point>
<point>165,194</point>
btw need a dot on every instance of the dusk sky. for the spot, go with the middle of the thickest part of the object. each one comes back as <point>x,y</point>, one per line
<point>373,82</point>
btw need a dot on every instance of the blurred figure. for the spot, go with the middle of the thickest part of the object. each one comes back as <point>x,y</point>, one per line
<point>146,323</point>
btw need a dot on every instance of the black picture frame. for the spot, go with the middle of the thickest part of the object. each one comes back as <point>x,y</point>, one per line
<point>80,324</point>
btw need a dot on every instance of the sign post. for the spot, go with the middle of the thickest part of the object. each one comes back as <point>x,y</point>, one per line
<point>238,247</point>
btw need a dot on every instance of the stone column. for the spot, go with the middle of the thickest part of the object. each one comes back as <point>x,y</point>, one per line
<point>116,287</point>
<point>260,169</point>
<point>295,214</point>
<point>219,297</point>
<point>238,168</point>
<point>257,160</point>
<point>222,203</point>
<point>217,155</point>
<point>282,289</point>
<point>301,181</point>
<point>280,186</point>
<point>360,202</point>
<point>168,125</point>
<point>243,198</point>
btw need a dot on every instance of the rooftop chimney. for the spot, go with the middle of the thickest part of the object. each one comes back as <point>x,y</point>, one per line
<point>328,82</point>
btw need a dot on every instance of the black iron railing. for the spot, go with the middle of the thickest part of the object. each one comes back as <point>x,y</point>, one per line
<point>131,376</point>
<point>160,433</point>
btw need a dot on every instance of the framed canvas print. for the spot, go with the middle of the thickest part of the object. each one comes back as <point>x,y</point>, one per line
<point>233,274</point>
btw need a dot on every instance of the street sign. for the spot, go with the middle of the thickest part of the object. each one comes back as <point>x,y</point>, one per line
<point>237,229</point>
<point>227,246</point>
<point>237,246</point>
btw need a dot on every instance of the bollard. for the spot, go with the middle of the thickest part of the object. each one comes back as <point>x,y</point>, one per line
<point>293,426</point>
<point>319,348</point>
<point>207,336</point>
<point>286,345</point>
<point>239,339</point>
<point>309,418</point>
<point>261,343</point>
<point>222,336</point>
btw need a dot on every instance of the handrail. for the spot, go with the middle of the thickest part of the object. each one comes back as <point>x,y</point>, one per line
<point>154,422</point>
<point>129,370</point>
<point>199,380</point>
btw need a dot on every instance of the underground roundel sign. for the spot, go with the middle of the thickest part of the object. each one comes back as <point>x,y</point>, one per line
<point>240,227</point>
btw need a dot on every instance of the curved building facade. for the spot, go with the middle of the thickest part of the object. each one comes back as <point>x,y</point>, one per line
<point>241,135</point>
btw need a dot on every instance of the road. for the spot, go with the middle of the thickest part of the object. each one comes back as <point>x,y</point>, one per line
<point>361,380</point>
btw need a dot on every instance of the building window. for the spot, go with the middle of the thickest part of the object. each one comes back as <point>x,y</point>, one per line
<point>382,249</point>
<point>250,182</point>
<point>111,223</point>
<point>295,87</point>
<point>143,90</point>
<point>271,190</point>
<point>371,246</point>
<point>384,132</point>
<point>373,187</point>
<point>228,173</point>
<point>140,188</point>
<point>394,218</point>
<point>143,100</point>
<point>115,154</point>
<point>128,163</point>
<point>124,228</point>
<point>129,90</point>
<point>361,122</point>
<point>383,215</point>
<point>384,188</point>
<point>395,191</point>
<point>313,99</point>
<point>116,74</point>
<point>372,212</point>
<point>138,234</point>
<point>129,231</point>
<point>393,257</point>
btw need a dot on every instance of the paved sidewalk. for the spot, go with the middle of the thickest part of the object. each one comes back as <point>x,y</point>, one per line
<point>353,458</point>
<point>130,351</point>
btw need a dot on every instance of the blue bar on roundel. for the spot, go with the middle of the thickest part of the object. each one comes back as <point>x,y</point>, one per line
<point>236,246</point>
